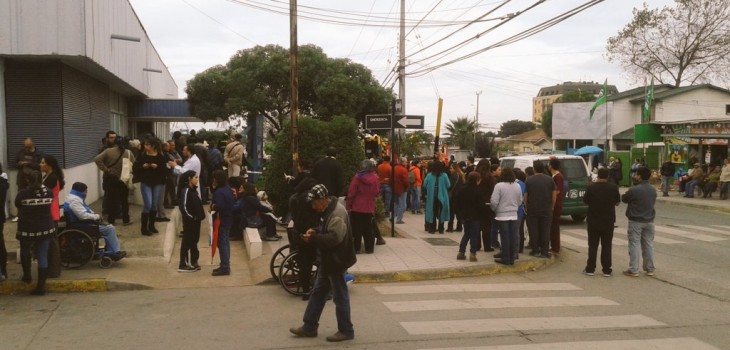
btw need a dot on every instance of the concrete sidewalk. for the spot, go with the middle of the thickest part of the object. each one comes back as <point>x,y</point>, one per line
<point>411,255</point>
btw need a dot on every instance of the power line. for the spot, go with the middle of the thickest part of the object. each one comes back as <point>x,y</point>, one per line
<point>220,23</point>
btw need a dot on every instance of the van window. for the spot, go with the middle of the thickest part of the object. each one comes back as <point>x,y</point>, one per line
<point>573,169</point>
<point>507,163</point>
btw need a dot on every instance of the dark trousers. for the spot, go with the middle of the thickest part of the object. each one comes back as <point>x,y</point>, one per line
<point>117,194</point>
<point>306,256</point>
<point>189,245</point>
<point>270,225</point>
<point>3,252</point>
<point>362,229</point>
<point>555,229</point>
<point>486,226</point>
<point>538,227</point>
<point>603,234</point>
<point>170,192</point>
<point>471,236</point>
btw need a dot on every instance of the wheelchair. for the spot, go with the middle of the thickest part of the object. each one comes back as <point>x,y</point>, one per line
<point>82,242</point>
<point>284,268</point>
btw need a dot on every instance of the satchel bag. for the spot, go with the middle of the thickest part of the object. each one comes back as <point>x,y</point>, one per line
<point>126,168</point>
<point>254,221</point>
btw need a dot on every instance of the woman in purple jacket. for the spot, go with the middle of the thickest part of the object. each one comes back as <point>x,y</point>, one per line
<point>360,203</point>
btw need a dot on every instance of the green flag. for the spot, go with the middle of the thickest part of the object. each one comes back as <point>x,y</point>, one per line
<point>648,101</point>
<point>601,100</point>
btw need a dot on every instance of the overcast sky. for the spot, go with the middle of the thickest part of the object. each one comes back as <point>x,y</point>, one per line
<point>193,35</point>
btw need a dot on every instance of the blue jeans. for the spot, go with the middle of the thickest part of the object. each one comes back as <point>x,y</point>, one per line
<point>224,248</point>
<point>415,193</point>
<point>41,250</point>
<point>471,235</point>
<point>150,196</point>
<point>641,236</point>
<point>509,230</point>
<point>110,236</point>
<point>666,182</point>
<point>386,192</point>
<point>340,296</point>
<point>400,206</point>
<point>494,235</point>
<point>690,188</point>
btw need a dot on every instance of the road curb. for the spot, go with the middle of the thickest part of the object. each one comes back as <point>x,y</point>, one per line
<point>70,286</point>
<point>451,272</point>
<point>698,206</point>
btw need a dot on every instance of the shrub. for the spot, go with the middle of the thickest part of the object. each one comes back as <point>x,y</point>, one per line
<point>315,136</point>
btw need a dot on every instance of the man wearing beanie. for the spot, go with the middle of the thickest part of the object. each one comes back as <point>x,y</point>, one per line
<point>78,211</point>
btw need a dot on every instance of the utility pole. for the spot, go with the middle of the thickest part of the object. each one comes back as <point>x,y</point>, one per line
<point>402,59</point>
<point>476,126</point>
<point>293,53</point>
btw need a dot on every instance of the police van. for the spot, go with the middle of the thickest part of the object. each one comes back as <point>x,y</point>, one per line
<point>575,171</point>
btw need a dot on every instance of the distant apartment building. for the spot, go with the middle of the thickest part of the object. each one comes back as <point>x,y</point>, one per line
<point>548,95</point>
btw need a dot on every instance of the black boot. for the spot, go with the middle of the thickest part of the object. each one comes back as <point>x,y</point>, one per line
<point>151,221</point>
<point>40,288</point>
<point>25,262</point>
<point>144,224</point>
<point>441,227</point>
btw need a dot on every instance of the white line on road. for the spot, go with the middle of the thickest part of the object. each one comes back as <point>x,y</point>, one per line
<point>495,303</point>
<point>708,229</point>
<point>637,344</point>
<point>488,287</point>
<point>584,242</point>
<point>687,234</point>
<point>527,324</point>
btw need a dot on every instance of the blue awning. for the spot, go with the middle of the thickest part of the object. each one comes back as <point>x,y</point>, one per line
<point>160,111</point>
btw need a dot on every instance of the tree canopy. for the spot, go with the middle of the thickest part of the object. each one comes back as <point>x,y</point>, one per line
<point>414,142</point>
<point>257,81</point>
<point>515,127</point>
<point>688,43</point>
<point>460,132</point>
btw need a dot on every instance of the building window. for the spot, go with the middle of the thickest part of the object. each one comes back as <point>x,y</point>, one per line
<point>727,109</point>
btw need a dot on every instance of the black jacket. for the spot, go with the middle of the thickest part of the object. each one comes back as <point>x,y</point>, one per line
<point>329,173</point>
<point>191,207</point>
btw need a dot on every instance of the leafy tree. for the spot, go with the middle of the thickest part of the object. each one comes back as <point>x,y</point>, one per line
<point>485,144</point>
<point>688,43</point>
<point>515,127</point>
<point>315,136</point>
<point>256,81</point>
<point>571,96</point>
<point>414,142</point>
<point>461,132</point>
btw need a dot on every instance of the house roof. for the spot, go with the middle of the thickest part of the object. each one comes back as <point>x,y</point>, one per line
<point>533,136</point>
<point>626,135</point>
<point>673,91</point>
<point>639,92</point>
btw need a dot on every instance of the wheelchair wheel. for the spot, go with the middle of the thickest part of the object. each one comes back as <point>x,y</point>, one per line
<point>106,262</point>
<point>277,259</point>
<point>289,275</point>
<point>77,248</point>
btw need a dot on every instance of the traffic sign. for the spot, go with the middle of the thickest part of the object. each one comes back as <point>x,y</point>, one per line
<point>409,121</point>
<point>378,121</point>
<point>385,121</point>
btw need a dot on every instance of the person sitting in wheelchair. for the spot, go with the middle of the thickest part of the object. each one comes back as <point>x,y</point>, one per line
<point>79,214</point>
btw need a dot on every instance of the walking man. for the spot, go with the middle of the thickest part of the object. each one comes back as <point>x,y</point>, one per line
<point>640,212</point>
<point>539,201</point>
<point>602,198</point>
<point>333,240</point>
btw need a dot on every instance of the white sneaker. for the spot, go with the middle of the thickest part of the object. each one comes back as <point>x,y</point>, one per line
<point>15,219</point>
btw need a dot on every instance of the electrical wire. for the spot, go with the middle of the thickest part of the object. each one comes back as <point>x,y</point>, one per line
<point>220,23</point>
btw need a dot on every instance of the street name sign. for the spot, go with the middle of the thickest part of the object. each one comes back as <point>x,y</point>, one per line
<point>386,121</point>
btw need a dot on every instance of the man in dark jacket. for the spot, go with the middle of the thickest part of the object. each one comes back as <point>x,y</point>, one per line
<point>667,172</point>
<point>328,172</point>
<point>333,239</point>
<point>602,198</point>
<point>640,212</point>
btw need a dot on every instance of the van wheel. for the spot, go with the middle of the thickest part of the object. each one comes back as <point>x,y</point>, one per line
<point>578,218</point>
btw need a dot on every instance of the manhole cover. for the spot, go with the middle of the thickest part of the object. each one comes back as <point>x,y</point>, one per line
<point>441,241</point>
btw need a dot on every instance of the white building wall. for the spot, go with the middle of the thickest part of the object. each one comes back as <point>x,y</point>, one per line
<point>625,116</point>
<point>73,28</point>
<point>701,104</point>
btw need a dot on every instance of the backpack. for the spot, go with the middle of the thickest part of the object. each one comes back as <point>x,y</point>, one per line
<point>412,177</point>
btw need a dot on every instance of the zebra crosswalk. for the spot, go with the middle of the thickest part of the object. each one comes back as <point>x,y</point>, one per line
<point>678,234</point>
<point>437,311</point>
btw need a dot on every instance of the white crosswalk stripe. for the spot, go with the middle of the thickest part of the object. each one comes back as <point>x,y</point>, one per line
<point>495,303</point>
<point>643,344</point>
<point>583,242</point>
<point>708,229</point>
<point>535,299</point>
<point>687,234</point>
<point>528,324</point>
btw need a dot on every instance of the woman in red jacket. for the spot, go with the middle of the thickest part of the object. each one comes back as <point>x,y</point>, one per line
<point>360,203</point>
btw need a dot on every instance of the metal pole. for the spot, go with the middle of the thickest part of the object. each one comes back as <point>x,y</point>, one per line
<point>293,51</point>
<point>402,59</point>
<point>476,127</point>
<point>392,172</point>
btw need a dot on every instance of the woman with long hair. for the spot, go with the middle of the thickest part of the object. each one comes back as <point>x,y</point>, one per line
<point>486,187</point>
<point>53,179</point>
<point>458,179</point>
<point>505,202</point>
<point>150,169</point>
<point>35,226</point>
<point>471,207</point>
<point>364,190</point>
<point>436,184</point>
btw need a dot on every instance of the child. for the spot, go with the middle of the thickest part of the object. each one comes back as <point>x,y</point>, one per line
<point>191,209</point>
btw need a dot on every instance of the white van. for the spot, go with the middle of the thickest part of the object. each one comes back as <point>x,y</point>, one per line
<point>576,173</point>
